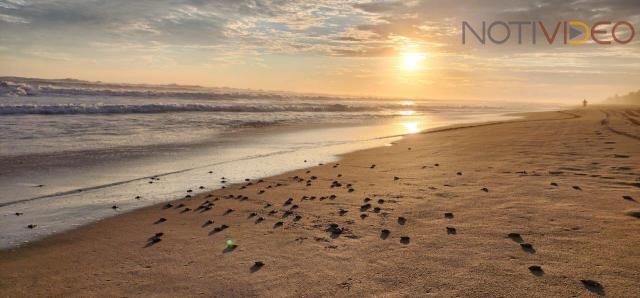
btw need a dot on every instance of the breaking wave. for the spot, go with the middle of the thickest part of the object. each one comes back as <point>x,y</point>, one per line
<point>72,109</point>
<point>19,87</point>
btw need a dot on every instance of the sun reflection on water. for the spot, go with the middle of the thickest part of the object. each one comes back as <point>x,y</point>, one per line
<point>407,113</point>
<point>411,127</point>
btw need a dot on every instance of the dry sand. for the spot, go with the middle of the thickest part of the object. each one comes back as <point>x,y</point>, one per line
<point>581,228</point>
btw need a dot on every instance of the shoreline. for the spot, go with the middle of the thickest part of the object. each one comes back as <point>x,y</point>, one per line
<point>401,194</point>
<point>522,118</point>
<point>133,186</point>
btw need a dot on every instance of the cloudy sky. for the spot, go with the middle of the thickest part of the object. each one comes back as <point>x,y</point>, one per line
<point>382,48</point>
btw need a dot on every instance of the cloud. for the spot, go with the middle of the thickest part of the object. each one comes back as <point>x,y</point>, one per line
<point>12,19</point>
<point>380,7</point>
<point>276,25</point>
<point>237,32</point>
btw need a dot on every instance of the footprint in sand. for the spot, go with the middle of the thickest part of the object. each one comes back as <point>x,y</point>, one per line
<point>384,234</point>
<point>451,231</point>
<point>402,220</point>
<point>218,230</point>
<point>448,215</point>
<point>229,248</point>
<point>528,247</point>
<point>635,214</point>
<point>515,237</point>
<point>593,286</point>
<point>536,270</point>
<point>335,230</point>
<point>405,240</point>
<point>154,239</point>
<point>256,266</point>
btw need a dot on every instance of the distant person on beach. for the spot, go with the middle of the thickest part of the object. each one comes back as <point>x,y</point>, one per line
<point>584,103</point>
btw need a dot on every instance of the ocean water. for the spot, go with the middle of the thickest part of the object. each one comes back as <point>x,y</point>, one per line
<point>70,150</point>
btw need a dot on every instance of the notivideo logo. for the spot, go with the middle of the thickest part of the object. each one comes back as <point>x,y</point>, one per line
<point>565,32</point>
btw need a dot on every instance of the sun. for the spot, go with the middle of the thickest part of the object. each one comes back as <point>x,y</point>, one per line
<point>412,61</point>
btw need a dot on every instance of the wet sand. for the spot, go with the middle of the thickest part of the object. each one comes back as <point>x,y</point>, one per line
<point>544,206</point>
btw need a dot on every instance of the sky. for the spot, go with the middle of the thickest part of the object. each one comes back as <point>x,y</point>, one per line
<point>399,49</point>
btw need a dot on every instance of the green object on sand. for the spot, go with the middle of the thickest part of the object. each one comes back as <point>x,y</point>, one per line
<point>229,243</point>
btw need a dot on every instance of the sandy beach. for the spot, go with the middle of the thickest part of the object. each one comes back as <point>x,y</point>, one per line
<point>544,206</point>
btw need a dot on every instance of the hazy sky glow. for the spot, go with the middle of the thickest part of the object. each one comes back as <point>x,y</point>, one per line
<point>382,48</point>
